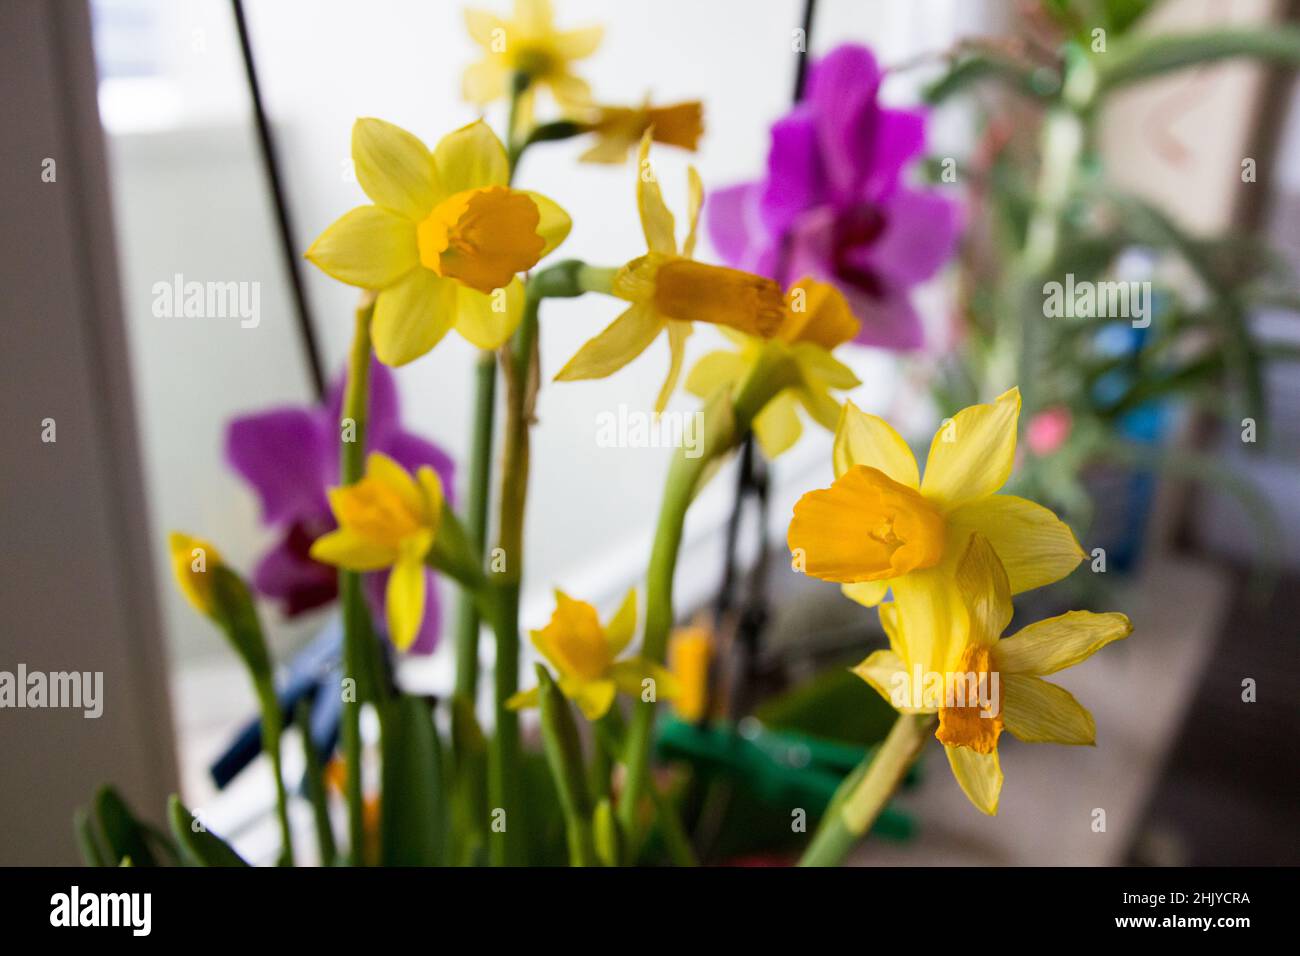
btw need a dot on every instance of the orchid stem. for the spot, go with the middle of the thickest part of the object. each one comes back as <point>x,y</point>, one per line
<point>520,362</point>
<point>358,645</point>
<point>863,795</point>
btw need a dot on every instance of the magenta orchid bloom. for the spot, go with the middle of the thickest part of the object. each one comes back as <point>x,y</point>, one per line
<point>290,456</point>
<point>833,206</point>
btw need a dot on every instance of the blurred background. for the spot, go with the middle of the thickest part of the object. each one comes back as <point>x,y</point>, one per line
<point>146,105</point>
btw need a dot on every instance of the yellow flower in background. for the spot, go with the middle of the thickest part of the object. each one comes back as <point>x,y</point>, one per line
<point>669,290</point>
<point>817,319</point>
<point>583,653</point>
<point>618,129</point>
<point>529,44</point>
<point>444,241</point>
<point>880,527</point>
<point>388,519</point>
<point>192,559</point>
<point>989,684</point>
<point>690,654</point>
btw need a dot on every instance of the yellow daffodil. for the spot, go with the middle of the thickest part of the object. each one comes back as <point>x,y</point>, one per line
<point>619,128</point>
<point>388,519</point>
<point>690,653</point>
<point>192,559</point>
<point>986,684</point>
<point>527,44</point>
<point>880,527</point>
<point>583,652</point>
<point>669,290</point>
<point>444,241</point>
<point>817,319</point>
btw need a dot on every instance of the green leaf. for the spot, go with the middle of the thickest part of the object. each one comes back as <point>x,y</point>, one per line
<point>469,808</point>
<point>123,833</point>
<point>563,750</point>
<point>1141,57</point>
<point>199,847</point>
<point>91,852</point>
<point>412,827</point>
<point>314,780</point>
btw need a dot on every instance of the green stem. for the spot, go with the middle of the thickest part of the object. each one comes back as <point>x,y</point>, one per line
<point>476,512</point>
<point>563,750</point>
<point>771,374</point>
<point>359,649</point>
<point>315,781</point>
<point>864,793</point>
<point>271,727</point>
<point>504,773</point>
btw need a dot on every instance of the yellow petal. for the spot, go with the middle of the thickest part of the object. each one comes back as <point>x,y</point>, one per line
<point>888,614</point>
<point>931,620</point>
<point>369,246</point>
<point>656,220</point>
<point>404,601</point>
<point>865,527</point>
<point>777,425</point>
<point>488,320</point>
<point>694,203</point>
<point>979,775</point>
<point>817,401</point>
<point>1046,647</point>
<point>714,371</point>
<point>554,223</point>
<point>678,333</point>
<point>525,698</point>
<point>412,316</point>
<point>971,456</point>
<point>193,560</point>
<point>885,672</point>
<point>1034,545</point>
<point>593,697</point>
<point>818,314</point>
<point>866,593</point>
<point>485,81</point>
<point>818,365</point>
<point>385,470</point>
<point>623,340</point>
<point>698,292</point>
<point>470,158</point>
<point>862,439</point>
<point>622,626</point>
<point>573,640</point>
<point>394,168</point>
<point>432,493</point>
<point>345,548</point>
<point>481,26</point>
<point>983,586</point>
<point>576,44</point>
<point>534,18</point>
<point>1039,712</point>
<point>631,674</point>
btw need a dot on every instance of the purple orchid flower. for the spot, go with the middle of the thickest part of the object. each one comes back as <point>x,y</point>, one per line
<point>290,456</point>
<point>833,206</point>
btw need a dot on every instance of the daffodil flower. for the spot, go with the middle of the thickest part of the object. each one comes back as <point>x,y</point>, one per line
<point>690,653</point>
<point>669,290</point>
<point>583,652</point>
<point>444,241</point>
<point>193,559</point>
<point>817,319</point>
<point>527,44</point>
<point>880,527</point>
<point>1014,696</point>
<point>388,519</point>
<point>618,129</point>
